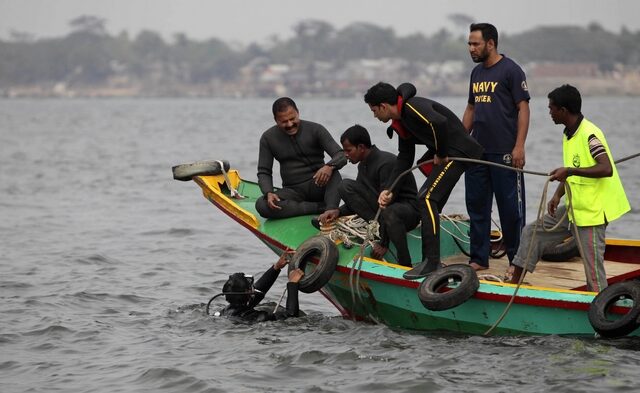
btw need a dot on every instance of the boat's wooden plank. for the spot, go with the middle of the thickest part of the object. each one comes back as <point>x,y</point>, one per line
<point>562,275</point>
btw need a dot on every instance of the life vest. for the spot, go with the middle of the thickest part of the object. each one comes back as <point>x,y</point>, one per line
<point>593,200</point>
<point>396,125</point>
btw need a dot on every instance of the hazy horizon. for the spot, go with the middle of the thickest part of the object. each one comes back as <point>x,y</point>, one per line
<point>256,21</point>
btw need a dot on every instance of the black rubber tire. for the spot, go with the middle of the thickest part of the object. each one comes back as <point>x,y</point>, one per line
<point>185,172</point>
<point>429,290</point>
<point>562,252</point>
<point>628,322</point>
<point>326,252</point>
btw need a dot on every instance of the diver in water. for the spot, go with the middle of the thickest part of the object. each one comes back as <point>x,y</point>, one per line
<point>243,295</point>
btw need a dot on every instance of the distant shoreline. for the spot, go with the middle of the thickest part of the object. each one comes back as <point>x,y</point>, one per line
<point>629,85</point>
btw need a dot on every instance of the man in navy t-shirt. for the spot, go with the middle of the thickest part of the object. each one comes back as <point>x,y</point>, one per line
<point>497,115</point>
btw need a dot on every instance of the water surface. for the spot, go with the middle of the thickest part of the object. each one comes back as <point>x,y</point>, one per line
<point>106,263</point>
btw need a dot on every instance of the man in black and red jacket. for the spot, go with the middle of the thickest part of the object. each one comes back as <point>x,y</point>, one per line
<point>421,121</point>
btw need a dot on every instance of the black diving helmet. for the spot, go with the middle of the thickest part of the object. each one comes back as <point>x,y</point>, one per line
<point>238,289</point>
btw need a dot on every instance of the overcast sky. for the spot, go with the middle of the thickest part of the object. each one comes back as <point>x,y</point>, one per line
<point>255,20</point>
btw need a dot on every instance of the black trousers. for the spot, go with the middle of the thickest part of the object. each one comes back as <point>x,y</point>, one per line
<point>395,220</point>
<point>434,194</point>
<point>304,198</point>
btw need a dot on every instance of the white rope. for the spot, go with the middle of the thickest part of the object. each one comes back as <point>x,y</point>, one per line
<point>275,309</point>
<point>456,220</point>
<point>234,193</point>
<point>459,221</point>
<point>352,230</point>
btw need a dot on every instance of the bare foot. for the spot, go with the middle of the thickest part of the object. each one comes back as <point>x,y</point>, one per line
<point>477,267</point>
<point>515,272</point>
<point>508,274</point>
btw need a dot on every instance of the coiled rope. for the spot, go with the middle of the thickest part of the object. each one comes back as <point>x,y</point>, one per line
<point>351,230</point>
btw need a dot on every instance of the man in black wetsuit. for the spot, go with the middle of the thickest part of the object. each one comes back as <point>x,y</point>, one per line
<point>421,121</point>
<point>309,185</point>
<point>361,195</point>
<point>246,296</point>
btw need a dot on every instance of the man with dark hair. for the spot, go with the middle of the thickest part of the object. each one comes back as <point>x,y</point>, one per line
<point>596,192</point>
<point>421,121</point>
<point>360,196</point>
<point>497,115</point>
<point>243,296</point>
<point>309,185</point>
<point>282,104</point>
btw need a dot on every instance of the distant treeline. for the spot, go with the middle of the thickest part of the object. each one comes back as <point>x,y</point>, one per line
<point>88,54</point>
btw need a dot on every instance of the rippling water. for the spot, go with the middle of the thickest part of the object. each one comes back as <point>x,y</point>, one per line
<point>106,263</point>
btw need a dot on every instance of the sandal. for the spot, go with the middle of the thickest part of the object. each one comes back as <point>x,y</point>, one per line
<point>490,277</point>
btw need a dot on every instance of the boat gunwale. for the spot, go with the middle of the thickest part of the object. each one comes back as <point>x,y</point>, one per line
<point>488,291</point>
<point>483,292</point>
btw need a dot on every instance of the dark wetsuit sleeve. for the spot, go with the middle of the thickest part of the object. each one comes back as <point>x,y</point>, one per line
<point>265,167</point>
<point>345,211</point>
<point>338,159</point>
<point>385,174</point>
<point>385,168</point>
<point>435,123</point>
<point>406,154</point>
<point>293,308</point>
<point>263,285</point>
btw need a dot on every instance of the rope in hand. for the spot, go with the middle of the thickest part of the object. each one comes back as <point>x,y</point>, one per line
<point>287,254</point>
<point>540,220</point>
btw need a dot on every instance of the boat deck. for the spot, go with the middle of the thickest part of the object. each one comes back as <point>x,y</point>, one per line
<point>562,275</point>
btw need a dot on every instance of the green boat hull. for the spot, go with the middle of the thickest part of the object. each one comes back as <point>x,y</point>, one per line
<point>371,290</point>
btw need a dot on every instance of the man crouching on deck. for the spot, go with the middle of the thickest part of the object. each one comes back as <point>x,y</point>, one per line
<point>360,196</point>
<point>596,193</point>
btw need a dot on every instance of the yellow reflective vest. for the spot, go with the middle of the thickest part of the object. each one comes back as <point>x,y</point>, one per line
<point>593,200</point>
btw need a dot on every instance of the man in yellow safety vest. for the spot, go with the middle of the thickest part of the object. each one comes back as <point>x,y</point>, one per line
<point>596,194</point>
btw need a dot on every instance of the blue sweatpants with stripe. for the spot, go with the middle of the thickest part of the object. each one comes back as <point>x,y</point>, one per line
<point>482,182</point>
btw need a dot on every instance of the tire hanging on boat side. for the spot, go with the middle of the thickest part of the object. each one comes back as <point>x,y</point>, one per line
<point>185,172</point>
<point>622,324</point>
<point>326,252</point>
<point>429,290</point>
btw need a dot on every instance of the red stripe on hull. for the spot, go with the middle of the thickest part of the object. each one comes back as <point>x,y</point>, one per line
<point>532,301</point>
<point>619,253</point>
<point>538,302</point>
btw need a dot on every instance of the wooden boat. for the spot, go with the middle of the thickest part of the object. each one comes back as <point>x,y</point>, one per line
<point>553,300</point>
